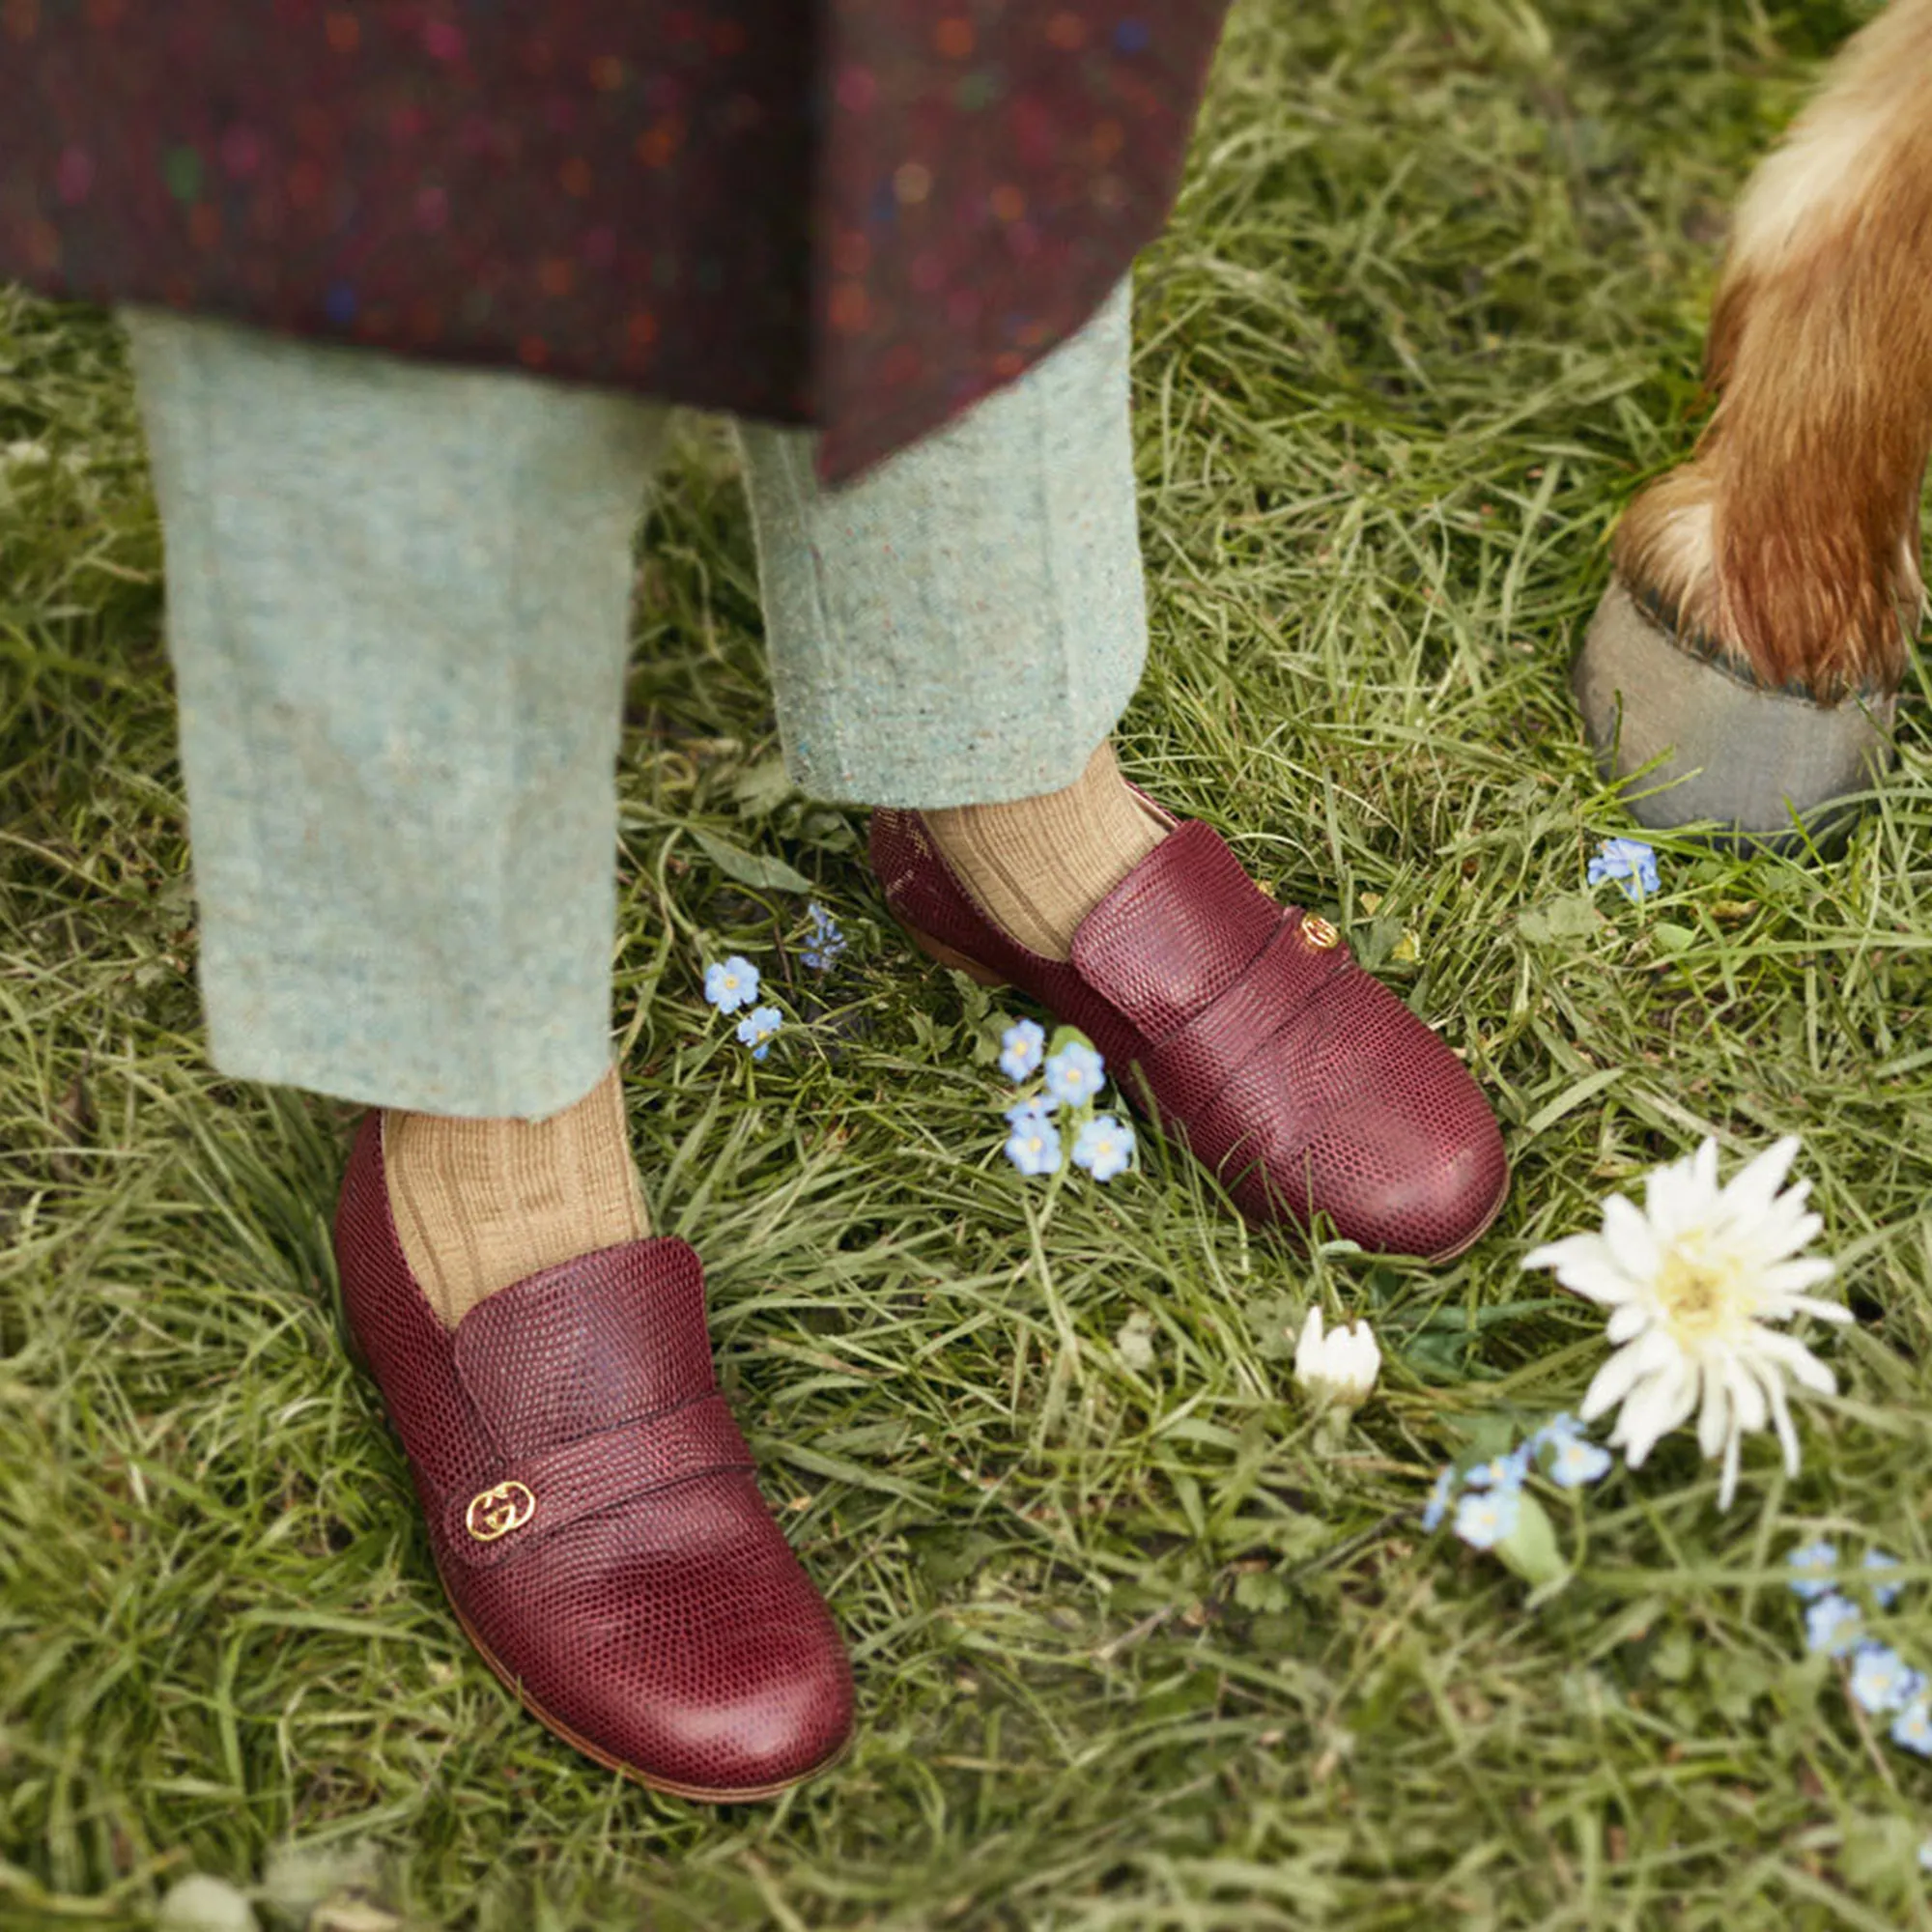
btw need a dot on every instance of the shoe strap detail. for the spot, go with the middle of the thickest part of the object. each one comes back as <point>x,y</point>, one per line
<point>535,1497</point>
<point>1176,933</point>
<point>586,1346</point>
<point>1270,994</point>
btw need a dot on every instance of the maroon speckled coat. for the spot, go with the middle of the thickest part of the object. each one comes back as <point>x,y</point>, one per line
<point>859,213</point>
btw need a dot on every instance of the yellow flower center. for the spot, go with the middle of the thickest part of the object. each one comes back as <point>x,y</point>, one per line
<point>1699,1290</point>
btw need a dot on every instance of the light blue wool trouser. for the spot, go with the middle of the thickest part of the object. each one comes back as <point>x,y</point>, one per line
<point>398,605</point>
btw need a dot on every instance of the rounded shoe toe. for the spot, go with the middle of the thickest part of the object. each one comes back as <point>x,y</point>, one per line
<point>791,1716</point>
<point>1365,1116</point>
<point>1410,1182</point>
<point>678,1640</point>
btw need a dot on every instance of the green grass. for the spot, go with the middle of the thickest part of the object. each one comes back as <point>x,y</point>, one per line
<point>1134,1649</point>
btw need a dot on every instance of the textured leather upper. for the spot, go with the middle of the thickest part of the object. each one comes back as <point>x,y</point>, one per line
<point>1301,1080</point>
<point>644,1599</point>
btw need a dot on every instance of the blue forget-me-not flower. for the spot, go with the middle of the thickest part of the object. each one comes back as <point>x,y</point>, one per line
<point>1034,1144</point>
<point>1881,1680</point>
<point>758,1027</point>
<point>1075,1074</point>
<point>1558,1429</point>
<point>827,941</point>
<point>1439,1499</point>
<point>1021,1046</point>
<point>1876,1564</point>
<point>731,984</point>
<point>1575,1460</point>
<point>1630,862</point>
<point>1502,1473</point>
<point>1811,1565</point>
<point>1103,1146</point>
<point>1832,1624</point>
<point>1913,1727</point>
<point>1484,1517</point>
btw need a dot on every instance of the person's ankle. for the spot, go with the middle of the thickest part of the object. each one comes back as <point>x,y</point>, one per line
<point>1039,865</point>
<point>481,1203</point>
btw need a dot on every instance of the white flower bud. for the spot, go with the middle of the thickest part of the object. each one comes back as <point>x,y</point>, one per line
<point>1337,1369</point>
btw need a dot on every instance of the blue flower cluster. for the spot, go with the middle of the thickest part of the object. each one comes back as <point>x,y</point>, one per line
<point>732,983</point>
<point>1057,1123</point>
<point>1880,1680</point>
<point>1630,862</point>
<point>827,942</point>
<point>1492,1492</point>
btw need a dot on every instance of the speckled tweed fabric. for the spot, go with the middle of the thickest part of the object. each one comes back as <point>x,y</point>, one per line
<point>855,215</point>
<point>397,607</point>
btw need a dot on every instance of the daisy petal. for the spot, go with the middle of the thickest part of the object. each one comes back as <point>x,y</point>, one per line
<point>1625,1323</point>
<point>1584,1265</point>
<point>1622,1373</point>
<point>1661,1405</point>
<point>1819,1311</point>
<point>1790,1353</point>
<point>1746,1395</point>
<point>1714,1420</point>
<point>1786,1278</point>
<point>1727,1488</point>
<point>1756,1185</point>
<point>1780,1416</point>
<point>1630,1239</point>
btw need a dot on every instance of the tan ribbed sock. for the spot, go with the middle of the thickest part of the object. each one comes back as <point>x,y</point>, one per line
<point>480,1204</point>
<point>1039,867</point>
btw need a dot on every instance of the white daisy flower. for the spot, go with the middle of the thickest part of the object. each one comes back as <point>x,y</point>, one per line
<point>1337,1369</point>
<point>1691,1280</point>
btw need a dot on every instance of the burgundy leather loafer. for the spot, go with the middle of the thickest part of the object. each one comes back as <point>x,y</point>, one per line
<point>593,1510</point>
<point>1248,1030</point>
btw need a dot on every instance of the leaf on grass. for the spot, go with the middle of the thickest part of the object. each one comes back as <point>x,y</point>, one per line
<point>1880,1855</point>
<point>988,1031</point>
<point>761,789</point>
<point>1530,1549</point>
<point>1673,1658</point>
<point>354,1914</point>
<point>950,1555</point>
<point>934,1040</point>
<point>1133,1341</point>
<point>1263,1591</point>
<point>1568,916</point>
<point>1373,942</point>
<point>821,827</point>
<point>1673,938</point>
<point>756,869</point>
<point>1485,1435</point>
<point>1436,1355</point>
<point>1270,1320</point>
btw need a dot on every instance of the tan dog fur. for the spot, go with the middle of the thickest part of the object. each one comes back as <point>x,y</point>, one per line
<point>1789,543</point>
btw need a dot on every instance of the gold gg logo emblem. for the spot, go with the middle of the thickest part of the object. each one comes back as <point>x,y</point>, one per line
<point>1319,932</point>
<point>498,1512</point>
